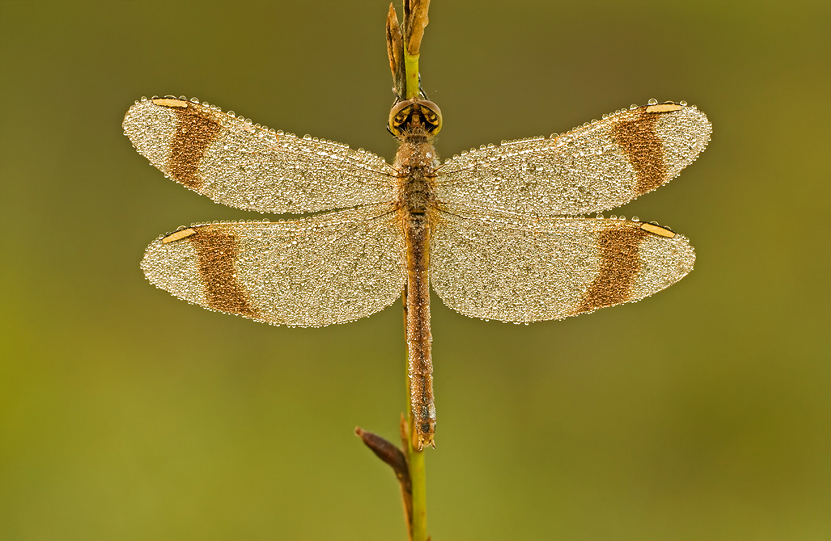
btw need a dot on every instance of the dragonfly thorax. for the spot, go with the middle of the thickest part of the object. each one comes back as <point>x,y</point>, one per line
<point>416,164</point>
<point>415,117</point>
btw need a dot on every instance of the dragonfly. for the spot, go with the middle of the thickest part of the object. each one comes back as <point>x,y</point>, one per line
<point>503,232</point>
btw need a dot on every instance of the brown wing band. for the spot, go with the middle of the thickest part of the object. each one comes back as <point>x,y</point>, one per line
<point>217,252</point>
<point>619,267</point>
<point>194,132</point>
<point>644,149</point>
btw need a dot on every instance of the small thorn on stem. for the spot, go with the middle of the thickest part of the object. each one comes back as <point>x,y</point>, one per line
<point>387,452</point>
<point>397,460</point>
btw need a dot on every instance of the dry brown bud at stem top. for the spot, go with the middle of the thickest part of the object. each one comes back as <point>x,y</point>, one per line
<point>415,21</point>
<point>395,51</point>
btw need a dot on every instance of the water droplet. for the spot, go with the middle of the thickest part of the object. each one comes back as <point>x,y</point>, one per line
<point>613,217</point>
<point>194,100</point>
<point>652,101</point>
<point>633,106</point>
<point>144,98</point>
<point>683,102</point>
<point>635,219</point>
<point>232,114</point>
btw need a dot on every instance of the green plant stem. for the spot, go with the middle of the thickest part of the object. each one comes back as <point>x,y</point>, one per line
<point>415,20</point>
<point>411,71</point>
<point>418,478</point>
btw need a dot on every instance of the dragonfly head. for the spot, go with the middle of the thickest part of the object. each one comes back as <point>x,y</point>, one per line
<point>415,116</point>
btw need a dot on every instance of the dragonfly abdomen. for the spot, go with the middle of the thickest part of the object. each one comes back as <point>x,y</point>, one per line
<point>419,338</point>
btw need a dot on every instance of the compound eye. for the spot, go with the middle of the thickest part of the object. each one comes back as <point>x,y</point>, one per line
<point>432,116</point>
<point>398,116</point>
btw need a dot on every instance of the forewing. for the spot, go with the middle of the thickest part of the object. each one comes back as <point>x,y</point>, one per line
<point>316,271</point>
<point>597,167</point>
<point>246,166</point>
<point>494,266</point>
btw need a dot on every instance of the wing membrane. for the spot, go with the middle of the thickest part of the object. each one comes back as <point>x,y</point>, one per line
<point>509,268</point>
<point>250,167</point>
<point>590,169</point>
<point>311,272</point>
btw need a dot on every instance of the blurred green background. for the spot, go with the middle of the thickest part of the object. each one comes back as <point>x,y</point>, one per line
<point>703,412</point>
